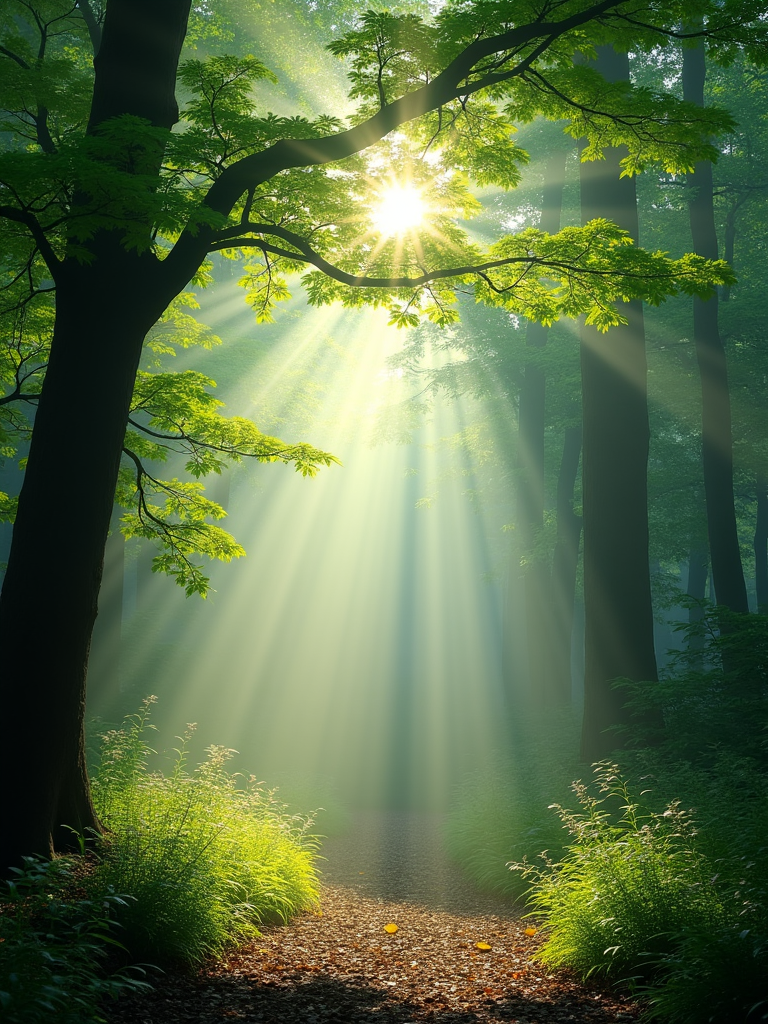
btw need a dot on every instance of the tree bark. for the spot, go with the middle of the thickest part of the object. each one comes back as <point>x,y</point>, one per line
<point>50,592</point>
<point>617,589</point>
<point>104,668</point>
<point>532,421</point>
<point>49,597</point>
<point>716,435</point>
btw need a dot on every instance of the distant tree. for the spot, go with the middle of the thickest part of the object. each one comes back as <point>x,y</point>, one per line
<point>104,204</point>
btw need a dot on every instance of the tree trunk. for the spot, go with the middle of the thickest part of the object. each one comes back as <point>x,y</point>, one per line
<point>617,587</point>
<point>761,544</point>
<point>104,669</point>
<point>716,437</point>
<point>50,592</point>
<point>564,566</point>
<point>532,420</point>
<point>49,597</point>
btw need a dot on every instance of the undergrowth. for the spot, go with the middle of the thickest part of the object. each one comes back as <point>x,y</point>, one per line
<point>206,855</point>
<point>670,903</point>
<point>53,946</point>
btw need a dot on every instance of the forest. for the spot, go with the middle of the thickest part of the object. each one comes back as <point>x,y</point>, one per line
<point>383,511</point>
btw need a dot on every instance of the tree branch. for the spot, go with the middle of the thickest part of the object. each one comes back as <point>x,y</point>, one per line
<point>254,170</point>
<point>30,221</point>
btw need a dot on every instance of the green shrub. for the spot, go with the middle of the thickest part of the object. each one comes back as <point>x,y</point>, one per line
<point>53,946</point>
<point>206,860</point>
<point>629,885</point>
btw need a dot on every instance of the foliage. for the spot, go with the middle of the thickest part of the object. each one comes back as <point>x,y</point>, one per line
<point>53,944</point>
<point>715,696</point>
<point>205,861</point>
<point>628,883</point>
<point>637,899</point>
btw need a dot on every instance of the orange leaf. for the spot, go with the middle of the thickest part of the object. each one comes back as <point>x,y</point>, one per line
<point>390,928</point>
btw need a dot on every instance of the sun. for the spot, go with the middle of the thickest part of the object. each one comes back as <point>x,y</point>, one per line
<point>399,209</point>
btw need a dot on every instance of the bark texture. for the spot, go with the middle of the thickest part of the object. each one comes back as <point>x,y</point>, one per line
<point>716,434</point>
<point>617,589</point>
<point>49,599</point>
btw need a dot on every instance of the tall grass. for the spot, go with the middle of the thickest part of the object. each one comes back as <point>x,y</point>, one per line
<point>635,899</point>
<point>206,855</point>
<point>627,884</point>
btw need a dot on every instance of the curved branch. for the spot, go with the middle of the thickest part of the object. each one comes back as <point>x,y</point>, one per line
<point>308,255</point>
<point>35,228</point>
<point>254,170</point>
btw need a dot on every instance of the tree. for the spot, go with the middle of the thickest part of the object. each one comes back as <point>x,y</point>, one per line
<point>618,639</point>
<point>120,213</point>
<point>716,434</point>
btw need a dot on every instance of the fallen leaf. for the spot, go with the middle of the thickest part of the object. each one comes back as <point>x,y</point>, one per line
<point>390,928</point>
<point>484,946</point>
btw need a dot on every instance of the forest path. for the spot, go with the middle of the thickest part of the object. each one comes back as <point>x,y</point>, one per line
<point>341,966</point>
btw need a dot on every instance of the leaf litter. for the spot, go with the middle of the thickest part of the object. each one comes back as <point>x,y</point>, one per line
<point>346,966</point>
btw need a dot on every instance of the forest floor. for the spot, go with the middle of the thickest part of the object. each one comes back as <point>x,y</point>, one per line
<point>341,966</point>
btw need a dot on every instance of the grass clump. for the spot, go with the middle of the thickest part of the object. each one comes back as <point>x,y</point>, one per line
<point>628,883</point>
<point>205,858</point>
<point>635,899</point>
<point>54,941</point>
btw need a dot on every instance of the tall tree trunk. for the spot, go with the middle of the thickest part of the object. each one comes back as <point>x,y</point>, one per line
<point>761,543</point>
<point>617,588</point>
<point>50,592</point>
<point>564,566</point>
<point>716,437</point>
<point>532,420</point>
<point>104,668</point>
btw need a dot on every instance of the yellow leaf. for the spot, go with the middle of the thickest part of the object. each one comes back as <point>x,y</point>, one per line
<point>390,928</point>
<point>531,931</point>
<point>484,946</point>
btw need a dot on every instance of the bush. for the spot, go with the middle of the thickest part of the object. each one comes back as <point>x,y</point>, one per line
<point>629,884</point>
<point>53,947</point>
<point>205,861</point>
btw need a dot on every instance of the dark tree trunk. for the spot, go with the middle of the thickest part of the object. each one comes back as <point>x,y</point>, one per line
<point>716,438</point>
<point>50,592</point>
<point>564,566</point>
<point>104,668</point>
<point>761,544</point>
<point>532,420</point>
<point>617,589</point>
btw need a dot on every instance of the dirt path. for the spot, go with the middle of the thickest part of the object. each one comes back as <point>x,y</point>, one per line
<point>342,966</point>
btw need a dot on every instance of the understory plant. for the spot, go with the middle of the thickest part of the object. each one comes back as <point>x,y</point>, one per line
<point>55,941</point>
<point>636,900</point>
<point>206,855</point>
